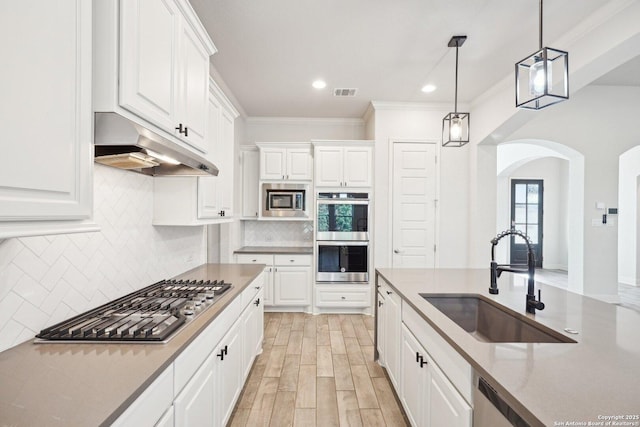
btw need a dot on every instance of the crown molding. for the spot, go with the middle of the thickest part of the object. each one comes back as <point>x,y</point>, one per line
<point>301,120</point>
<point>413,106</point>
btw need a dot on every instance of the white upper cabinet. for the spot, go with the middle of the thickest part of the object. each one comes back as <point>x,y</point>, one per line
<point>215,194</point>
<point>148,59</point>
<point>46,176</point>
<point>285,161</point>
<point>250,172</point>
<point>192,200</point>
<point>152,60</point>
<point>343,163</point>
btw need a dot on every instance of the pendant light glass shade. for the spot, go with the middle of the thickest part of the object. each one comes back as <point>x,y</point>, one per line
<point>455,126</point>
<point>542,78</point>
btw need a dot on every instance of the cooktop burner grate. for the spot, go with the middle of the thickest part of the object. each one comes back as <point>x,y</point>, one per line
<point>151,314</point>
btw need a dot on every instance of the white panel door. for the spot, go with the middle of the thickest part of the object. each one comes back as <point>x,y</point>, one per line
<point>414,197</point>
<point>393,319</point>
<point>328,166</point>
<point>299,164</point>
<point>250,175</point>
<point>446,406</point>
<point>194,406</point>
<point>268,286</point>
<point>228,373</point>
<point>208,187</point>
<point>45,84</point>
<point>357,166</point>
<point>273,162</point>
<point>292,285</point>
<point>193,91</point>
<point>415,378</point>
<point>148,50</point>
<point>226,163</point>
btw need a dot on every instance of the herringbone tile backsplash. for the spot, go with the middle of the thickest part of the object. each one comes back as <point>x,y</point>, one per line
<point>46,279</point>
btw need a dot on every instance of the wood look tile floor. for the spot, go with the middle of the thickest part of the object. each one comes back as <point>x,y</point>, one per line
<point>317,371</point>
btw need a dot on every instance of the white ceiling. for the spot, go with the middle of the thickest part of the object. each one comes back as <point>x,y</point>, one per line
<point>269,52</point>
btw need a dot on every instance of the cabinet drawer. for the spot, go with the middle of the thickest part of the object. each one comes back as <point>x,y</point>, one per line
<point>248,295</point>
<point>446,357</point>
<point>254,259</point>
<point>152,403</point>
<point>190,360</point>
<point>343,297</point>
<point>293,259</point>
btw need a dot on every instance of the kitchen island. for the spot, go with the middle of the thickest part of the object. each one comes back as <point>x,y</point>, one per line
<point>552,384</point>
<point>91,384</point>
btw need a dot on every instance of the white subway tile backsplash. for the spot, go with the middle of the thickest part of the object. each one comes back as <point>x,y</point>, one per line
<point>46,279</point>
<point>278,233</point>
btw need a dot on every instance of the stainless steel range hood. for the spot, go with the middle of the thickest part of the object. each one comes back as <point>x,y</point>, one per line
<point>122,143</point>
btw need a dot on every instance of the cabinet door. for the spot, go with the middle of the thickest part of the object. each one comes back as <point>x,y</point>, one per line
<point>273,163</point>
<point>208,187</point>
<point>194,406</point>
<point>168,418</point>
<point>392,336</point>
<point>357,166</point>
<point>268,286</point>
<point>252,332</point>
<point>380,327</point>
<point>193,89</point>
<point>292,285</point>
<point>414,379</point>
<point>250,168</point>
<point>446,407</point>
<point>328,166</point>
<point>45,113</point>
<point>148,60</point>
<point>228,372</point>
<point>299,164</point>
<point>227,163</point>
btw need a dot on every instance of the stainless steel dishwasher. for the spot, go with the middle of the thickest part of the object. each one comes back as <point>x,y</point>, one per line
<point>490,410</point>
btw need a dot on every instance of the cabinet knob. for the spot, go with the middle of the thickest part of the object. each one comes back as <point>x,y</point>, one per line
<point>389,292</point>
<point>343,297</point>
<point>292,260</point>
<point>257,287</point>
<point>254,260</point>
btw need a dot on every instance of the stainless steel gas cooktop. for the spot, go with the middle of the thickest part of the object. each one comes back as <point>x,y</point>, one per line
<point>152,314</point>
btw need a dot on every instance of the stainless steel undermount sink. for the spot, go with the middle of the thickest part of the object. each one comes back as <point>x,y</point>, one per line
<point>488,321</point>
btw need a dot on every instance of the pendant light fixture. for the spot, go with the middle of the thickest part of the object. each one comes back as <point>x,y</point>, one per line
<point>542,78</point>
<point>455,126</point>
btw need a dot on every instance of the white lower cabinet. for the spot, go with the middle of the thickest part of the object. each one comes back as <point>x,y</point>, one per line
<point>287,278</point>
<point>167,419</point>
<point>228,371</point>
<point>414,379</point>
<point>433,382</point>
<point>252,324</point>
<point>392,334</point>
<point>194,406</point>
<point>201,387</point>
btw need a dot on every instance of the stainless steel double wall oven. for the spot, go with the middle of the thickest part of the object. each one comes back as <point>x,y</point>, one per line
<point>342,237</point>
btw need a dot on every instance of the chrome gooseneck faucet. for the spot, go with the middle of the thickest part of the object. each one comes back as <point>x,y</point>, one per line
<point>497,269</point>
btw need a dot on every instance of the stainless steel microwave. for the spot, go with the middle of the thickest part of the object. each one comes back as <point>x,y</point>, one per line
<point>285,200</point>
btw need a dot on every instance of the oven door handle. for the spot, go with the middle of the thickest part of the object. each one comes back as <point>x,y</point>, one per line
<point>343,202</point>
<point>343,243</point>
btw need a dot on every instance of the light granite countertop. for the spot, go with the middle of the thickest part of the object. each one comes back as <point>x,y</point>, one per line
<point>92,384</point>
<point>547,383</point>
<point>275,250</point>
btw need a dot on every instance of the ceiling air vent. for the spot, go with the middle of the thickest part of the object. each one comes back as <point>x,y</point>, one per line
<point>345,92</point>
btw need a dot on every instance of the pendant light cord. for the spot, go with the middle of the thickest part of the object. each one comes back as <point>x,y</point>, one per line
<point>455,99</point>
<point>540,24</point>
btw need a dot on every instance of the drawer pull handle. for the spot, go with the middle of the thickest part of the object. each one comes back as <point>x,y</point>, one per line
<point>389,292</point>
<point>257,287</point>
<point>257,302</point>
<point>343,297</point>
<point>292,260</point>
<point>254,260</point>
<point>380,303</point>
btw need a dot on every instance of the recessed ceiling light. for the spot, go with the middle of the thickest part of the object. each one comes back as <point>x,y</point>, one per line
<point>428,88</point>
<point>319,84</point>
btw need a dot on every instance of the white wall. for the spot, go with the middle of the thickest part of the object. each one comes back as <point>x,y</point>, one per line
<point>421,122</point>
<point>46,279</point>
<point>628,250</point>
<point>590,122</point>
<point>555,174</point>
